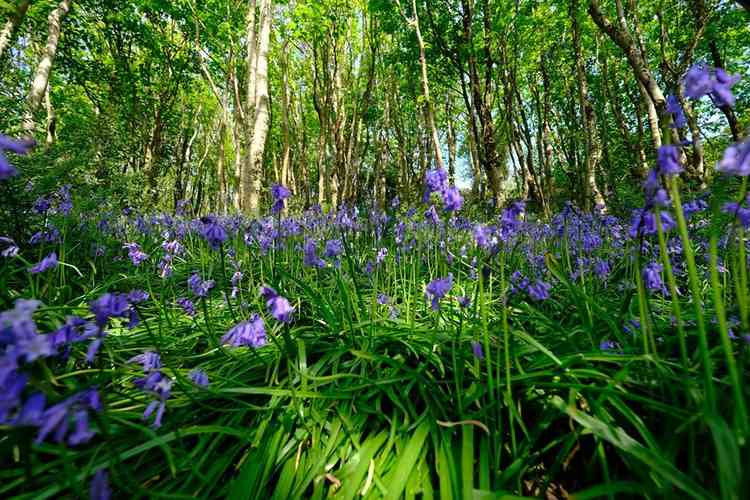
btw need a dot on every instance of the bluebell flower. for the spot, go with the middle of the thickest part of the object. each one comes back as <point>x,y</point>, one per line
<point>608,345</point>
<point>100,486</point>
<point>279,194</point>
<point>278,306</point>
<point>159,385</point>
<point>310,254</point>
<point>248,333</point>
<point>652,276</point>
<point>149,360</point>
<point>137,296</point>
<point>435,182</point>
<point>437,289</point>
<point>198,286</point>
<point>137,256</point>
<point>47,263</point>
<point>452,199</point>
<point>736,160</point>
<point>702,80</point>
<point>11,249</point>
<point>539,290</point>
<point>669,160</point>
<point>476,348</point>
<point>333,249</point>
<point>56,419</point>
<point>213,232</point>
<point>20,147</point>
<point>678,115</point>
<point>187,306</point>
<point>110,305</point>
<point>198,377</point>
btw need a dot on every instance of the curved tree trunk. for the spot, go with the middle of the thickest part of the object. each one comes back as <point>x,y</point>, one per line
<point>12,24</point>
<point>41,77</point>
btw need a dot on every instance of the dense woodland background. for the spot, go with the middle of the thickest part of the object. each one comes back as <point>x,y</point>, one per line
<point>150,102</point>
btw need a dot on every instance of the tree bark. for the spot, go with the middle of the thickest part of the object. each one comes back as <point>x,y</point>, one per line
<point>253,169</point>
<point>593,145</point>
<point>41,77</point>
<point>12,24</point>
<point>428,106</point>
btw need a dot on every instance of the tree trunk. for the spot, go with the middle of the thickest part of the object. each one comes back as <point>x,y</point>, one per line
<point>41,78</point>
<point>593,146</point>
<point>51,118</point>
<point>12,24</point>
<point>428,106</point>
<point>253,171</point>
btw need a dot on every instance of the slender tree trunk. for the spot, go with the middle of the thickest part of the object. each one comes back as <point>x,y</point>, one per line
<point>593,146</point>
<point>51,118</point>
<point>451,143</point>
<point>12,24</point>
<point>285,105</point>
<point>41,77</point>
<point>429,109</point>
<point>251,183</point>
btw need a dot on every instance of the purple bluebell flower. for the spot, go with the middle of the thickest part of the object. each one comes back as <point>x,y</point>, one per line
<point>723,83</point>
<point>608,345</point>
<point>56,419</point>
<point>476,348</point>
<point>383,299</point>
<point>137,256</point>
<point>278,306</point>
<point>149,360</point>
<point>198,377</point>
<point>110,305</point>
<point>481,236</point>
<point>539,290</point>
<point>42,204</point>
<point>310,254</point>
<point>11,249</point>
<point>20,147</point>
<point>47,263</point>
<point>65,200</point>
<point>452,199</point>
<point>697,81</point>
<point>669,160</point>
<point>248,333</point>
<point>678,115</point>
<point>187,306</point>
<point>435,182</point>
<point>736,160</point>
<point>100,486</point>
<point>381,255</point>
<point>652,276</point>
<point>137,296</point>
<point>464,301</point>
<point>437,289</point>
<point>213,231</point>
<point>431,215</point>
<point>737,210</point>
<point>279,194</point>
<point>31,412</point>
<point>702,80</point>
<point>334,248</point>
<point>198,286</point>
